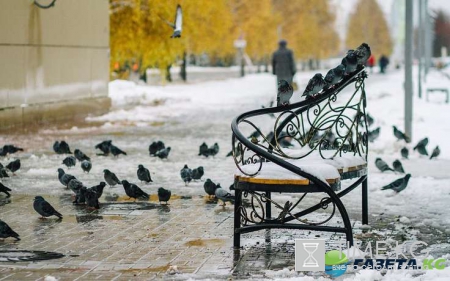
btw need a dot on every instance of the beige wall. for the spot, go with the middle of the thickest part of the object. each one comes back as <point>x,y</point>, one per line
<point>52,55</point>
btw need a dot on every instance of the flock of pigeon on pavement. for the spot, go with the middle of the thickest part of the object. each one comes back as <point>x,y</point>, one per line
<point>89,196</point>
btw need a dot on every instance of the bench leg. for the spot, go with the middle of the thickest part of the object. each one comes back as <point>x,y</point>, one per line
<point>237,219</point>
<point>365,203</point>
<point>268,205</point>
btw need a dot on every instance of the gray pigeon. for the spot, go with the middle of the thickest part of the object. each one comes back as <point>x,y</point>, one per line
<point>64,178</point>
<point>423,142</point>
<point>369,120</point>
<point>333,76</point>
<point>163,153</point>
<point>111,178</point>
<point>350,61</point>
<point>210,187</point>
<point>404,152</point>
<point>76,186</point>
<point>363,53</point>
<point>422,150</point>
<point>86,166</point>
<point>92,199</point>
<point>5,190</point>
<point>314,86</point>
<point>285,92</point>
<point>80,198</point>
<point>374,134</point>
<point>214,149</point>
<point>133,191</point>
<point>13,166</point>
<point>69,161</point>
<point>186,174</point>
<point>99,188</point>
<point>164,195</point>
<point>398,166</point>
<point>6,231</point>
<point>382,166</point>
<point>143,174</point>
<point>105,147</point>
<point>223,195</point>
<point>3,173</point>
<point>198,173</point>
<point>116,151</point>
<point>400,135</point>
<point>44,208</point>
<point>435,152</point>
<point>203,150</point>
<point>339,72</point>
<point>398,185</point>
<point>80,155</point>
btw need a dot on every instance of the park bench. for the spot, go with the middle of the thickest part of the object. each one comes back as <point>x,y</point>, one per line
<point>329,133</point>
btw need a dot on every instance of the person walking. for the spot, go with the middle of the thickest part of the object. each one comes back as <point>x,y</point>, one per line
<point>383,62</point>
<point>371,62</point>
<point>283,63</point>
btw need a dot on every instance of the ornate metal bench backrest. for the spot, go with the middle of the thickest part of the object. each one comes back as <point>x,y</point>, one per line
<point>332,123</point>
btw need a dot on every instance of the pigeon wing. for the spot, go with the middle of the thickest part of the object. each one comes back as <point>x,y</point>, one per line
<point>47,208</point>
<point>178,19</point>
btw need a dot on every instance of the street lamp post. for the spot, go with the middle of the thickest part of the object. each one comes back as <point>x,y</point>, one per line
<point>408,67</point>
<point>240,44</point>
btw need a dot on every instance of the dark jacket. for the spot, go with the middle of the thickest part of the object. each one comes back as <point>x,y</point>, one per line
<point>283,64</point>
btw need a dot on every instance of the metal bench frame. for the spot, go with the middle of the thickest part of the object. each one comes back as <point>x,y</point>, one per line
<point>301,122</point>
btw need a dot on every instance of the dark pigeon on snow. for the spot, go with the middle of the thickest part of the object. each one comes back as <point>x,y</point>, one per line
<point>64,148</point>
<point>214,149</point>
<point>198,173</point>
<point>399,184</point>
<point>143,174</point>
<point>92,199</point>
<point>186,174</point>
<point>64,178</point>
<point>6,231</point>
<point>99,188</point>
<point>203,150</point>
<point>422,150</point>
<point>3,173</point>
<point>13,166</point>
<point>10,149</point>
<point>116,151</point>
<point>398,167</point>
<point>86,166</point>
<point>210,187</point>
<point>382,166</point>
<point>80,155</point>
<point>164,195</point>
<point>104,147</point>
<point>44,208</point>
<point>163,153</point>
<point>5,189</point>
<point>133,191</point>
<point>404,152</point>
<point>111,178</point>
<point>435,153</point>
<point>423,142</point>
<point>374,134</point>
<point>400,135</point>
<point>69,161</point>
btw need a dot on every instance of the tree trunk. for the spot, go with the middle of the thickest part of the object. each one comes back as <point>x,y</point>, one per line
<point>168,76</point>
<point>183,72</point>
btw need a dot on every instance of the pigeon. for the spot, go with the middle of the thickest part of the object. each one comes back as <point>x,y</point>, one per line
<point>404,152</point>
<point>164,195</point>
<point>210,187</point>
<point>92,199</point>
<point>400,135</point>
<point>80,197</point>
<point>214,149</point>
<point>69,161</point>
<point>155,147</point>
<point>86,166</point>
<point>3,173</point>
<point>186,174</point>
<point>99,188</point>
<point>80,155</point>
<point>363,53</point>
<point>56,147</point>
<point>374,134</point>
<point>338,73</point>
<point>5,190</point>
<point>10,149</point>
<point>203,150</point>
<point>285,92</point>
<point>369,120</point>
<point>64,178</point>
<point>350,61</point>
<point>6,231</point>
<point>198,173</point>
<point>435,152</point>
<point>44,208</point>
<point>110,178</point>
<point>398,185</point>
<point>13,166</point>
<point>422,150</point>
<point>104,146</point>
<point>177,24</point>
<point>3,152</point>
<point>315,84</point>
<point>163,153</point>
<point>398,166</point>
<point>133,191</point>
<point>382,166</point>
<point>116,151</point>
<point>77,186</point>
<point>64,148</point>
<point>423,143</point>
<point>223,195</point>
<point>143,174</point>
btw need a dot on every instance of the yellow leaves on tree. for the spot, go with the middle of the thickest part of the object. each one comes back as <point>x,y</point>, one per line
<point>368,24</point>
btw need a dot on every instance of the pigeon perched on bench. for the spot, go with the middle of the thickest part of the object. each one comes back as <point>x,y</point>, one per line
<point>6,231</point>
<point>382,166</point>
<point>143,174</point>
<point>398,167</point>
<point>164,195</point>
<point>399,184</point>
<point>86,166</point>
<point>285,92</point>
<point>363,53</point>
<point>110,178</point>
<point>44,208</point>
<point>435,153</point>
<point>315,85</point>
<point>350,61</point>
<point>133,191</point>
<point>5,190</point>
<point>80,155</point>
